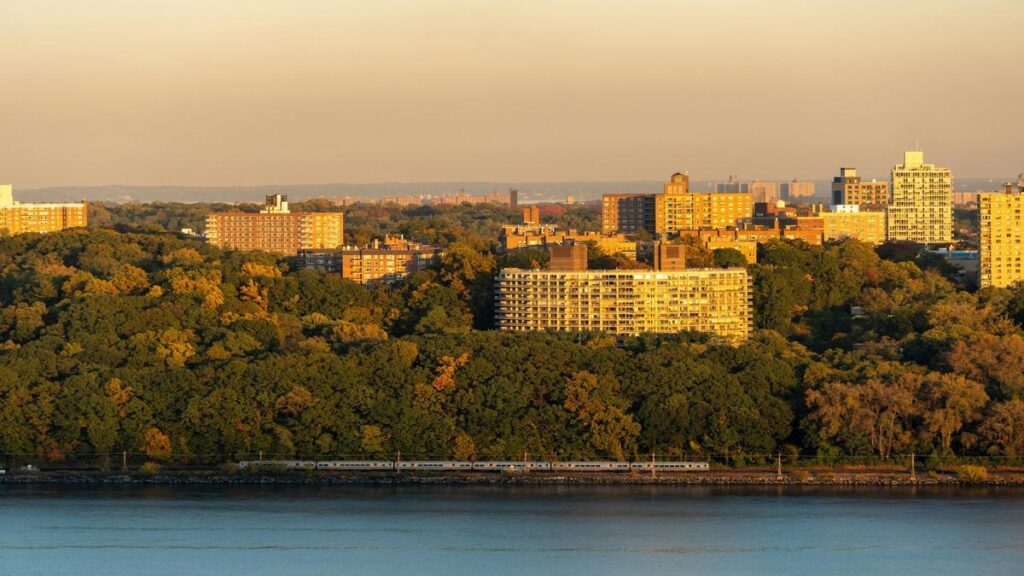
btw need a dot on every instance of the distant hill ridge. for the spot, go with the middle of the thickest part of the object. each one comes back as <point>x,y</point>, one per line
<point>528,191</point>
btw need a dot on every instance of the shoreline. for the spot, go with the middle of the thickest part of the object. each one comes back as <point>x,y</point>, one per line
<point>836,479</point>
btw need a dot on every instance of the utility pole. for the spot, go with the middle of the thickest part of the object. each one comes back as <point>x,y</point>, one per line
<point>913,468</point>
<point>778,470</point>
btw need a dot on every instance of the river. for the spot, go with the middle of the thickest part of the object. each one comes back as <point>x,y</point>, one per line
<point>177,530</point>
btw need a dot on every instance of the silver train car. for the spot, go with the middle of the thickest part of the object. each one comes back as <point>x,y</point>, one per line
<point>447,465</point>
<point>511,465</point>
<point>670,466</point>
<point>590,466</point>
<point>286,464</point>
<point>350,465</point>
<point>480,466</point>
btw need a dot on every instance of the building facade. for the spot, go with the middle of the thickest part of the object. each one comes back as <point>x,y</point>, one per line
<point>797,190</point>
<point>733,185</point>
<point>626,302</point>
<point>764,191</point>
<point>518,236</point>
<point>921,205</point>
<point>675,209</point>
<point>627,213</point>
<point>381,262</point>
<point>19,217</point>
<point>848,221</point>
<point>1001,242</point>
<point>849,189</point>
<point>275,229</point>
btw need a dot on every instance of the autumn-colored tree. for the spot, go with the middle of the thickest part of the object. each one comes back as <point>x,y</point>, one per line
<point>878,409</point>
<point>295,402</point>
<point>465,447</point>
<point>373,441</point>
<point>996,361</point>
<point>156,444</point>
<point>445,372</point>
<point>950,402</point>
<point>610,431</point>
<point>130,279</point>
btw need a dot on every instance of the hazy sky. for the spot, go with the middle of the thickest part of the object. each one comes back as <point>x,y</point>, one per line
<point>222,92</point>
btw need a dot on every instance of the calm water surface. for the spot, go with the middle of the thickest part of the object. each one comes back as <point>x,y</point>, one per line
<point>502,530</point>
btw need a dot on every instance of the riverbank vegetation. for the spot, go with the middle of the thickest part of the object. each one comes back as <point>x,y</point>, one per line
<point>142,341</point>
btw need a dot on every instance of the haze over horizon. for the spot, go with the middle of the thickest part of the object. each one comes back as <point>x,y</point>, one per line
<point>258,92</point>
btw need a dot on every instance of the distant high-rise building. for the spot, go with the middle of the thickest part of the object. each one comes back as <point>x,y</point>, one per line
<point>675,209</point>
<point>733,185</point>
<point>513,198</point>
<point>275,228</point>
<point>849,189</point>
<point>921,205</point>
<point>764,191</point>
<point>1001,238</point>
<point>18,217</point>
<point>797,190</point>
<point>531,214</point>
<point>570,200</point>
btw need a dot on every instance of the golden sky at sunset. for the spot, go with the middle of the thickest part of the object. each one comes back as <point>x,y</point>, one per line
<point>222,92</point>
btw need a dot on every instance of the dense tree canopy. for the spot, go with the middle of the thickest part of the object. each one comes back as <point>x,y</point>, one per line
<point>142,341</point>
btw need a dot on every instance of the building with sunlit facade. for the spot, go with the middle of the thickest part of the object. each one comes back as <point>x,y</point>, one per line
<point>675,209</point>
<point>567,297</point>
<point>20,217</point>
<point>275,229</point>
<point>1001,241</point>
<point>921,206</point>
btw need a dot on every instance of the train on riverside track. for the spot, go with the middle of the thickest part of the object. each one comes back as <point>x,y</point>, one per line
<point>476,466</point>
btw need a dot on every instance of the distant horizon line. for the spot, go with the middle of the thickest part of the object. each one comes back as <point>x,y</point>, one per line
<point>453,182</point>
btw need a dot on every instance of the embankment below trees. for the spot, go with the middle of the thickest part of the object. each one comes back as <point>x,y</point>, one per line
<point>799,477</point>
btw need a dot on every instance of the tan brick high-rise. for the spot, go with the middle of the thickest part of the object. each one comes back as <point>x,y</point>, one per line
<point>19,217</point>
<point>275,229</point>
<point>1001,242</point>
<point>921,206</point>
<point>675,209</point>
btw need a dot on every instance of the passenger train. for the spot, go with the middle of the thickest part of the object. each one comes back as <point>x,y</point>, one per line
<point>479,466</point>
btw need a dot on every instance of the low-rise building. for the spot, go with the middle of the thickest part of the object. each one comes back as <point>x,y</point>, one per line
<point>848,221</point>
<point>746,247</point>
<point>21,217</point>
<point>381,262</point>
<point>517,236</point>
<point>810,229</point>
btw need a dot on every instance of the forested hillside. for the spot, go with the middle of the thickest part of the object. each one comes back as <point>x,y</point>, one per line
<point>173,351</point>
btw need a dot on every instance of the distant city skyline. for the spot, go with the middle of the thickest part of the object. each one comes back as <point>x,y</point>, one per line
<point>265,92</point>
